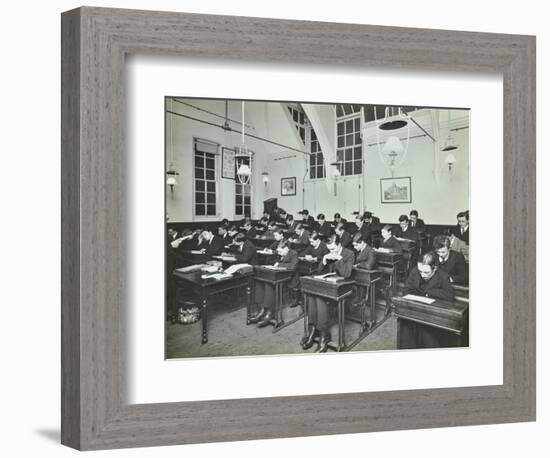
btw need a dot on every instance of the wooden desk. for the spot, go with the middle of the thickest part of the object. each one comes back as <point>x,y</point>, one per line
<point>206,288</point>
<point>266,258</point>
<point>334,293</point>
<point>262,242</point>
<point>462,293</point>
<point>277,278</point>
<point>410,253</point>
<point>444,321</point>
<point>387,262</point>
<point>307,266</point>
<point>227,260</point>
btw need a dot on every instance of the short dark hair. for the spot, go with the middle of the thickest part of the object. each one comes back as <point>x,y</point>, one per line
<point>388,228</point>
<point>289,217</point>
<point>321,216</point>
<point>337,215</point>
<point>366,239</point>
<point>428,259</point>
<point>304,212</point>
<point>367,215</point>
<point>225,221</point>
<point>413,213</point>
<point>403,218</point>
<point>465,214</point>
<point>240,237</point>
<point>359,217</point>
<point>441,241</point>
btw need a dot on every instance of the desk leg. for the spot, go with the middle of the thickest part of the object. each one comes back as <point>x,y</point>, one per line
<point>306,314</point>
<point>248,302</point>
<point>372,299</point>
<point>341,339</point>
<point>204,303</point>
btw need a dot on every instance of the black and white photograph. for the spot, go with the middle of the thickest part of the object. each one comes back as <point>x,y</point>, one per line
<point>300,253</point>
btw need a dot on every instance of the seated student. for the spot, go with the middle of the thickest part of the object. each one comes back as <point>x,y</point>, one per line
<point>250,232</point>
<point>266,215</point>
<point>271,227</point>
<point>405,231</point>
<point>362,229</point>
<point>245,220</point>
<point>210,244</point>
<point>278,236</point>
<point>323,228</point>
<point>426,279</point>
<point>340,260</point>
<point>187,241</point>
<point>371,221</point>
<point>307,219</point>
<point>291,223</point>
<point>224,222</point>
<point>316,249</point>
<point>265,293</point>
<point>463,226</point>
<point>245,251</point>
<point>338,219</point>
<point>345,238</point>
<point>223,232</point>
<point>450,261</point>
<point>281,216</point>
<point>366,256</point>
<point>457,244</point>
<point>389,242</point>
<point>302,235</point>
<point>416,222</point>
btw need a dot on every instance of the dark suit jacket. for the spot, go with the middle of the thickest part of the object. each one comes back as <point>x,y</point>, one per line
<point>455,266</point>
<point>227,240</point>
<point>304,238</point>
<point>247,254</point>
<point>342,220</point>
<point>410,233</point>
<point>274,245</point>
<point>290,261</point>
<point>437,287</point>
<point>344,266</point>
<point>346,240</point>
<point>251,233</point>
<point>318,252</point>
<point>392,244</point>
<point>419,226</point>
<point>213,248</point>
<point>325,230</point>
<point>466,236</point>
<point>366,259</point>
<point>310,222</point>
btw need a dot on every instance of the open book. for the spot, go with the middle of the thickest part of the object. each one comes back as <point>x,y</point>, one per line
<point>414,297</point>
<point>324,276</point>
<point>235,267</point>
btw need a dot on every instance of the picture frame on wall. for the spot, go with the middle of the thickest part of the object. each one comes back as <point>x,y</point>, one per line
<point>97,411</point>
<point>288,186</point>
<point>395,190</point>
<point>228,163</point>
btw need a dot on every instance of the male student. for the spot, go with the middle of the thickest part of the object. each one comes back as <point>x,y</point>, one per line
<point>339,260</point>
<point>302,235</point>
<point>457,244</point>
<point>463,226</point>
<point>223,232</point>
<point>362,229</point>
<point>323,228</point>
<point>404,230</point>
<point>372,222</point>
<point>265,293</point>
<point>450,261</point>
<point>389,242</point>
<point>415,221</point>
<point>428,280</point>
<point>271,227</point>
<point>291,223</point>
<point>250,231</point>
<point>316,249</point>
<point>366,256</point>
<point>307,219</point>
<point>278,236</point>
<point>338,219</point>
<point>245,250</point>
<point>210,244</point>
<point>345,238</point>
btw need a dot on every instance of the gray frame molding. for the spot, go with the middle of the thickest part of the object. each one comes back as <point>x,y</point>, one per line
<point>95,414</point>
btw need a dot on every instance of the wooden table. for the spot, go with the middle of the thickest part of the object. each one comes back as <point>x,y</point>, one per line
<point>447,320</point>
<point>333,292</point>
<point>262,242</point>
<point>226,260</point>
<point>307,266</point>
<point>410,253</point>
<point>266,258</point>
<point>387,262</point>
<point>205,288</point>
<point>276,277</point>
<point>189,258</point>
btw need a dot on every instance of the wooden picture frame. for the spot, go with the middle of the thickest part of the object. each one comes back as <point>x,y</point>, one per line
<point>288,186</point>
<point>228,163</point>
<point>95,410</point>
<point>403,190</point>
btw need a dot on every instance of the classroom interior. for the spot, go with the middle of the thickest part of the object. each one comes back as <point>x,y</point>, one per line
<point>391,185</point>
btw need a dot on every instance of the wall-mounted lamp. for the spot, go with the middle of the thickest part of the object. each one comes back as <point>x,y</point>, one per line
<point>265,178</point>
<point>171,178</point>
<point>450,160</point>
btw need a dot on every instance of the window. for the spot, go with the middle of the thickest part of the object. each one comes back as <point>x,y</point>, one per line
<point>316,161</point>
<point>242,193</point>
<point>205,178</point>
<point>349,150</point>
<point>299,118</point>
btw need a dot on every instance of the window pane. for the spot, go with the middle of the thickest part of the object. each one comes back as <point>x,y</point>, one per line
<point>339,155</point>
<point>357,168</point>
<point>349,126</point>
<point>209,156</point>
<point>347,168</point>
<point>199,185</point>
<point>356,108</point>
<point>347,156</point>
<point>303,134</point>
<point>199,161</point>
<point>341,128</point>
<point>247,209</point>
<point>313,135</point>
<point>210,175</point>
<point>247,200</point>
<point>210,164</point>
<point>311,159</point>
<point>211,186</point>
<point>199,209</point>
<point>357,152</point>
<point>313,147</point>
<point>238,188</point>
<point>341,142</point>
<point>357,122</point>
<point>211,198</point>
<point>238,209</point>
<point>246,190</point>
<point>295,115</point>
<point>349,140</point>
<point>312,173</point>
<point>199,173</point>
<point>319,171</point>
<point>339,111</point>
<point>211,210</point>
<point>301,117</point>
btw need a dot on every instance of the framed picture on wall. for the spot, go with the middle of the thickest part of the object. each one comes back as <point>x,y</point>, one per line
<point>288,186</point>
<point>228,163</point>
<point>395,190</point>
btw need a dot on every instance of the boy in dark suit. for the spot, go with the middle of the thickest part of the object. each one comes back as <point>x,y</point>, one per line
<point>323,228</point>
<point>345,238</point>
<point>338,219</point>
<point>450,261</point>
<point>250,231</point>
<point>427,280</point>
<point>340,260</point>
<point>307,219</point>
<point>265,293</point>
<point>416,222</point>
<point>389,242</point>
<point>463,226</point>
<point>363,230</point>
<point>210,244</point>
<point>366,256</point>
<point>245,251</point>
<point>316,249</point>
<point>405,231</point>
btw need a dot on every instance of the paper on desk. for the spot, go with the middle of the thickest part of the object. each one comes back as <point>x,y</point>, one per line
<point>383,250</point>
<point>232,269</point>
<point>196,252</point>
<point>322,277</point>
<point>424,300</point>
<point>192,268</point>
<point>274,267</point>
